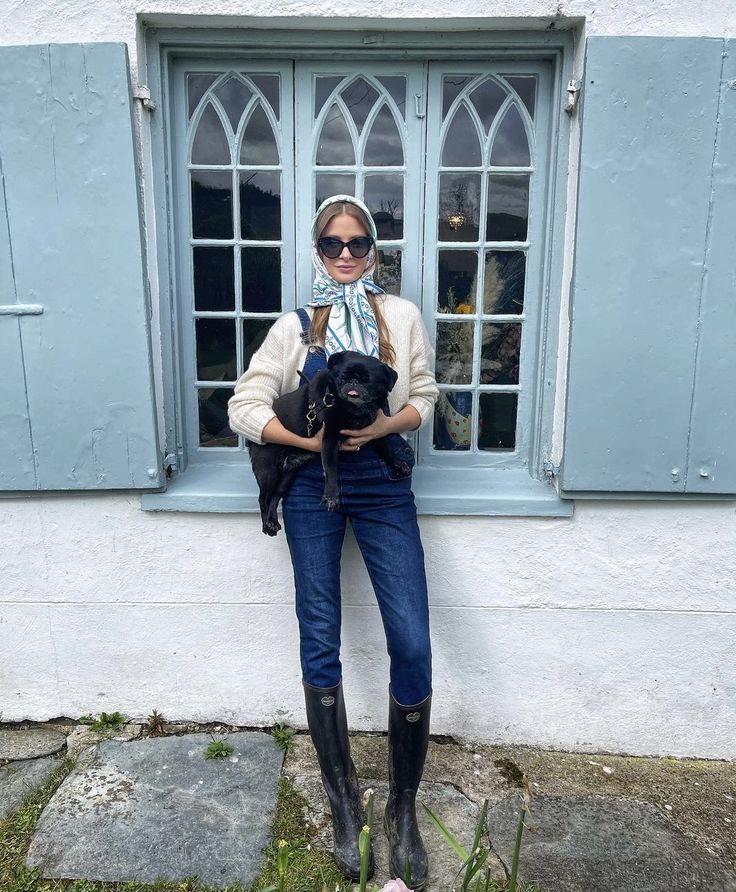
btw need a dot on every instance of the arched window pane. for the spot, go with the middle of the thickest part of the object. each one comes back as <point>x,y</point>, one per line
<point>335,144</point>
<point>324,87</point>
<point>233,95</point>
<point>268,84</point>
<point>259,143</point>
<point>510,145</point>
<point>462,147</point>
<point>197,86</point>
<point>211,144</point>
<point>359,97</point>
<point>526,87</point>
<point>384,142</point>
<point>396,88</point>
<point>487,99</point>
<point>452,85</point>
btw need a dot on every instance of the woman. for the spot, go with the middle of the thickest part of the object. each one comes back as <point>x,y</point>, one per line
<point>350,312</point>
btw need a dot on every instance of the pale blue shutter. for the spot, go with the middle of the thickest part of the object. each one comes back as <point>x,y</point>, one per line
<point>652,377</point>
<point>77,386</point>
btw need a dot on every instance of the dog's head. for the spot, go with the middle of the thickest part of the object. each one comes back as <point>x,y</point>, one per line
<point>360,380</point>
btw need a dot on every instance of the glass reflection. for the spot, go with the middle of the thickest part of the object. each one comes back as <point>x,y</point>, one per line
<point>260,204</point>
<point>261,277</point>
<point>254,333</point>
<point>359,97</point>
<point>453,420</point>
<point>212,204</point>
<point>268,84</point>
<point>335,144</point>
<point>508,208</point>
<point>457,273</point>
<point>497,421</point>
<point>459,207</point>
<point>503,285</point>
<point>526,87</point>
<point>388,274</point>
<point>499,353</point>
<point>454,357</point>
<point>384,142</point>
<point>462,145</point>
<point>510,144</point>
<point>214,429</point>
<point>215,340</point>
<point>214,278</point>
<point>328,184</point>
<point>487,99</point>
<point>197,86</point>
<point>324,87</point>
<point>233,94</point>
<point>259,143</point>
<point>452,86</point>
<point>384,196</point>
<point>210,144</point>
<point>396,87</point>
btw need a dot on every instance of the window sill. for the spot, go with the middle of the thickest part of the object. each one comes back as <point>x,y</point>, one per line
<point>230,487</point>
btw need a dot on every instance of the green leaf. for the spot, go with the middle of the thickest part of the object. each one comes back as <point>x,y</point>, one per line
<point>459,850</point>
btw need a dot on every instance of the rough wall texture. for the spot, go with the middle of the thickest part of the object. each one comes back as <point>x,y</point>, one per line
<point>614,629</point>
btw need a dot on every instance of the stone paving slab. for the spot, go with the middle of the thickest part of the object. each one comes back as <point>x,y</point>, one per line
<point>29,743</point>
<point>19,779</point>
<point>578,844</point>
<point>156,808</point>
<point>456,811</point>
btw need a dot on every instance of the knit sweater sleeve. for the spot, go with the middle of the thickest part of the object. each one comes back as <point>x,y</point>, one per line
<point>423,390</point>
<point>250,409</point>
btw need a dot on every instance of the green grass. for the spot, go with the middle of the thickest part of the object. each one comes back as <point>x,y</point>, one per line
<point>309,869</point>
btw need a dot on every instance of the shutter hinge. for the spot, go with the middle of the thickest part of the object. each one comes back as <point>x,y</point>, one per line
<point>573,92</point>
<point>170,463</point>
<point>142,93</point>
<point>551,470</point>
<point>419,105</point>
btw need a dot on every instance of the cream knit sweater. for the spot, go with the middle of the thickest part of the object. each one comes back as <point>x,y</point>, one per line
<point>274,366</point>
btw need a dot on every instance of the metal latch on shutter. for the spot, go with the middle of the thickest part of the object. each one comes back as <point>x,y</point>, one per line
<point>573,92</point>
<point>142,93</point>
<point>21,309</point>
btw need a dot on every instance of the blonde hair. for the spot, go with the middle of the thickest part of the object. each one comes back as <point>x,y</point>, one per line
<point>318,326</point>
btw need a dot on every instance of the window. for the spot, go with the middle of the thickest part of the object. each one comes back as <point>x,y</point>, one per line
<point>452,158</point>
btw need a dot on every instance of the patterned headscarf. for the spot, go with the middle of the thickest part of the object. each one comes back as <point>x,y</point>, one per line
<point>352,323</point>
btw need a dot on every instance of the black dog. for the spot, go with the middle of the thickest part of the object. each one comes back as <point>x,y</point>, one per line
<point>345,395</point>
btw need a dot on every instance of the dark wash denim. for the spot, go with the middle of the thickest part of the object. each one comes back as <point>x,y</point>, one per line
<point>383,516</point>
<point>384,520</point>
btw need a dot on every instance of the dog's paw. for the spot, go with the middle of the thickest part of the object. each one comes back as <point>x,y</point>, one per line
<point>330,502</point>
<point>271,527</point>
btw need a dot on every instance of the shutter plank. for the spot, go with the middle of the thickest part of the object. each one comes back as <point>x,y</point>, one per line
<point>713,436</point>
<point>648,129</point>
<point>75,229</point>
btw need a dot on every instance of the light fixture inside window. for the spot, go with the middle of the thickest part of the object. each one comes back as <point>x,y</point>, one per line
<point>456,220</point>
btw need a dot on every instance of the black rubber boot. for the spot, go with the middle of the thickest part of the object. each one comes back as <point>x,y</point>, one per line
<point>408,737</point>
<point>328,728</point>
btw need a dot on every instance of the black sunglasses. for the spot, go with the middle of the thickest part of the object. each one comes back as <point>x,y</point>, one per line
<point>333,247</point>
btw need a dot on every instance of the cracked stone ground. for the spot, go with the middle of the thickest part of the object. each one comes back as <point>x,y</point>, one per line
<point>156,808</point>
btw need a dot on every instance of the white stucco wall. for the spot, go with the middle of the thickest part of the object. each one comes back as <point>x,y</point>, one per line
<point>614,629</point>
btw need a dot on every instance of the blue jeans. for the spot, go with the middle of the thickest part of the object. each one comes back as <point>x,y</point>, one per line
<point>384,520</point>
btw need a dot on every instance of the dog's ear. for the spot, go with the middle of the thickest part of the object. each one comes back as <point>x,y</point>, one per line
<point>335,360</point>
<point>391,376</point>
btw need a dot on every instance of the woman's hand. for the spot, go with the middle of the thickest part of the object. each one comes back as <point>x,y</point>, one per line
<point>381,427</point>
